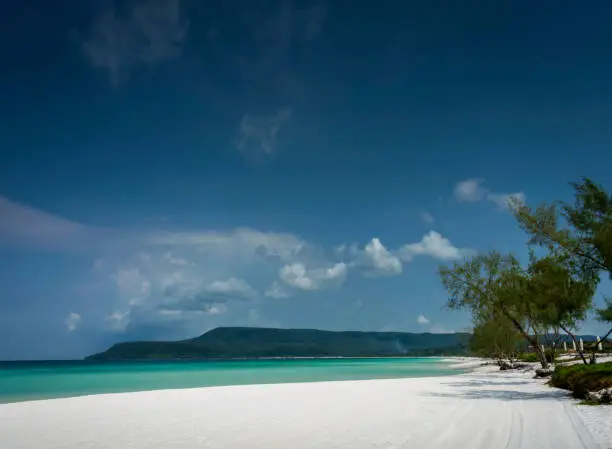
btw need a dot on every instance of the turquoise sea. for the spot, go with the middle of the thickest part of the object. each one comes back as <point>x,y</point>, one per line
<point>23,381</point>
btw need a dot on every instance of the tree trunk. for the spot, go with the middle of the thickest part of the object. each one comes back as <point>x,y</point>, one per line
<point>592,358</point>
<point>573,337</point>
<point>528,337</point>
<point>541,356</point>
<point>593,349</point>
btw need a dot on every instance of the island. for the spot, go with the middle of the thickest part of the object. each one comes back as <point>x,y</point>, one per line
<point>251,342</point>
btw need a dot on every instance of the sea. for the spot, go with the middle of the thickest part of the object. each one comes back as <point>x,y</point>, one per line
<point>26,381</point>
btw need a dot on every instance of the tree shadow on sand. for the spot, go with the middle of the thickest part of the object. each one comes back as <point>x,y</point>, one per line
<point>487,383</point>
<point>473,389</point>
<point>504,395</point>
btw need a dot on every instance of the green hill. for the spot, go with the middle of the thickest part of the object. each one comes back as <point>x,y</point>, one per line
<point>238,342</point>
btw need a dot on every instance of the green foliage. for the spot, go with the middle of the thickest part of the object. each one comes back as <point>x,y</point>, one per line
<point>495,337</point>
<point>550,355</point>
<point>528,357</point>
<point>605,314</point>
<point>494,286</point>
<point>587,238</point>
<point>531,357</point>
<point>546,295</point>
<point>582,378</point>
<point>558,297</point>
<point>237,342</point>
<point>487,285</point>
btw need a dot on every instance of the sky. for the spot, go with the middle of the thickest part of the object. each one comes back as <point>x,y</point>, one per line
<point>170,166</point>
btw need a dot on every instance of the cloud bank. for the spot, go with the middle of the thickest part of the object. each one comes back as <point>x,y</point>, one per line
<point>160,280</point>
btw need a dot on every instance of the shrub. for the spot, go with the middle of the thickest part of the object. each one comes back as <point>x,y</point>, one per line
<point>529,357</point>
<point>582,378</point>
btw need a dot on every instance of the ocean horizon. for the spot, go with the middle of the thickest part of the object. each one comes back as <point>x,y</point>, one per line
<point>37,380</point>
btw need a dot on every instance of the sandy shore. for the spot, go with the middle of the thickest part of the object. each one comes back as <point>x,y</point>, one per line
<point>483,409</point>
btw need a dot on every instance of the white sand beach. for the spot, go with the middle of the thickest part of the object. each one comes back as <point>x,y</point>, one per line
<point>483,409</point>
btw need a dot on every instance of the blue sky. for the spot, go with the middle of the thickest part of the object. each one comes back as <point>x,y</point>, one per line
<point>169,166</point>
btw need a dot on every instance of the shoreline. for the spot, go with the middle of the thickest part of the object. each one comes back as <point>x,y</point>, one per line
<point>221,359</point>
<point>200,377</point>
<point>433,412</point>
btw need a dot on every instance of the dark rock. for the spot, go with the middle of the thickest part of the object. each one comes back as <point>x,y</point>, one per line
<point>519,365</point>
<point>505,365</point>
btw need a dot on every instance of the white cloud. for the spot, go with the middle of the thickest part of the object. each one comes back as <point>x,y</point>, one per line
<point>230,243</point>
<point>435,245</point>
<point>378,261</point>
<point>470,190</point>
<point>277,291</point>
<point>439,329</point>
<point>422,319</point>
<point>171,259</point>
<point>189,279</point>
<point>152,31</point>
<point>131,282</point>
<point>258,134</point>
<point>507,201</point>
<point>186,313</point>
<point>232,286</point>
<point>72,321</point>
<point>427,217</point>
<point>217,309</point>
<point>298,276</point>
<point>118,321</point>
<point>195,298</point>
<point>337,271</point>
<point>170,312</point>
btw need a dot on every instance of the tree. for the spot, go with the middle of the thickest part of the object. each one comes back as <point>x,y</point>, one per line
<point>559,298</point>
<point>495,337</point>
<point>494,285</point>
<point>586,239</point>
<point>536,301</point>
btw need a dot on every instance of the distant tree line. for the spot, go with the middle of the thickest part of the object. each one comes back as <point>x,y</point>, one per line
<point>244,342</point>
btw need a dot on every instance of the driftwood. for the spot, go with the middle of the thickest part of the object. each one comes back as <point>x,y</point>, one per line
<point>601,397</point>
<point>543,372</point>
